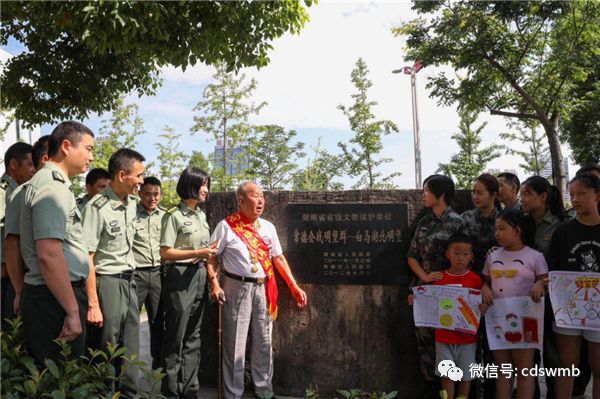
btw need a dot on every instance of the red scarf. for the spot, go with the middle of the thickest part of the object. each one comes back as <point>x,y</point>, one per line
<point>244,229</point>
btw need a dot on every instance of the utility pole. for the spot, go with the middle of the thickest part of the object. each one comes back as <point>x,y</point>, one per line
<point>412,71</point>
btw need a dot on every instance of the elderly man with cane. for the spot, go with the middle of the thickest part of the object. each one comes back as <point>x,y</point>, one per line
<point>248,248</point>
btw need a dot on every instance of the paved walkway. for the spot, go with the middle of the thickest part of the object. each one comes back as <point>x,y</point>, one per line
<point>205,392</point>
<point>208,392</point>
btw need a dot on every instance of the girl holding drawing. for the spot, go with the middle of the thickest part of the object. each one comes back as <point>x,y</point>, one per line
<point>514,270</point>
<point>575,247</point>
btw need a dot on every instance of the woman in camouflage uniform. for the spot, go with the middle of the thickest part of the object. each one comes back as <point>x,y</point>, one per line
<point>481,226</point>
<point>426,255</point>
<point>481,220</point>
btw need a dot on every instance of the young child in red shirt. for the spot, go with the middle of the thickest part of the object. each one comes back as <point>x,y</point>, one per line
<point>451,345</point>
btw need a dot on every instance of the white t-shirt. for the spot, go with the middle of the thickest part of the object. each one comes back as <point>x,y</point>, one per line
<point>234,254</point>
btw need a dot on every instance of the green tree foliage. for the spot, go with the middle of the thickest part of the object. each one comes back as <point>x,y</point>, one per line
<point>319,172</point>
<point>273,156</point>
<point>361,158</point>
<point>81,57</point>
<point>224,111</point>
<point>200,160</point>
<point>9,118</point>
<point>582,127</point>
<point>119,131</point>
<point>518,59</point>
<point>171,164</point>
<point>536,155</point>
<point>471,160</point>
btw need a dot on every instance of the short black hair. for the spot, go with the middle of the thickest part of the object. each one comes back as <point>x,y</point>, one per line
<point>190,181</point>
<point>441,185</point>
<point>96,174</point>
<point>512,179</point>
<point>40,148</point>
<point>460,238</point>
<point>151,180</point>
<point>588,169</point>
<point>18,151</point>
<point>123,159</point>
<point>68,130</point>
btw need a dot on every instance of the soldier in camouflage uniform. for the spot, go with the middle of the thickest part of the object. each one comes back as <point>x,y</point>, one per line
<point>108,228</point>
<point>481,220</point>
<point>481,226</point>
<point>426,255</point>
<point>19,168</point>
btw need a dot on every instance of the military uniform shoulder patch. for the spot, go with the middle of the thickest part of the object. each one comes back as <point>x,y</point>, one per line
<point>100,201</point>
<point>57,176</point>
<point>172,210</point>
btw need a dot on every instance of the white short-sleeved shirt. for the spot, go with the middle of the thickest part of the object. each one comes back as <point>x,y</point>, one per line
<point>234,254</point>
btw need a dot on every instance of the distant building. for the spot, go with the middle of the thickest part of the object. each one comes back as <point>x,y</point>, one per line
<point>237,158</point>
<point>547,171</point>
<point>13,128</point>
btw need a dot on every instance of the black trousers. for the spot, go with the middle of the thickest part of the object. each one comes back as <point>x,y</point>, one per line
<point>7,298</point>
<point>43,319</point>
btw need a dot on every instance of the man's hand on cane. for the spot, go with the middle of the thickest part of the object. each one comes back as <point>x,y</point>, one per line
<point>217,293</point>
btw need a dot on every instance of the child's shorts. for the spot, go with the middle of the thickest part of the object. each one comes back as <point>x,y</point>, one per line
<point>589,335</point>
<point>463,356</point>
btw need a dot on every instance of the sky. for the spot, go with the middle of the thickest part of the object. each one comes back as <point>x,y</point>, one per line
<point>309,76</point>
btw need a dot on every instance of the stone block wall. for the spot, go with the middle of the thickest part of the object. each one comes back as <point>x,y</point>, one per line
<point>349,336</point>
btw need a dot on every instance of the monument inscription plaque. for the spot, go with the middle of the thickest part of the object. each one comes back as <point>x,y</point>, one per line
<point>348,243</point>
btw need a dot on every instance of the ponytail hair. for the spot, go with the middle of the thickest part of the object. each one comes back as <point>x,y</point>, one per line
<point>491,185</point>
<point>589,180</point>
<point>554,201</point>
<point>517,219</point>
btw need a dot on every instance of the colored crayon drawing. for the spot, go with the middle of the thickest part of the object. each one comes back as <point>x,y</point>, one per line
<point>575,298</point>
<point>447,307</point>
<point>515,323</point>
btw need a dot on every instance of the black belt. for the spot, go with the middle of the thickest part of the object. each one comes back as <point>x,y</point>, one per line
<point>188,264</point>
<point>126,275</point>
<point>149,269</point>
<point>79,283</point>
<point>255,280</point>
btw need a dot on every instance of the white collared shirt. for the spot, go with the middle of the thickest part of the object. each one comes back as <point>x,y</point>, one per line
<point>234,254</point>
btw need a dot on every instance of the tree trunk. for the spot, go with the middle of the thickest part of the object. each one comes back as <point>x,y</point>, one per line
<point>558,171</point>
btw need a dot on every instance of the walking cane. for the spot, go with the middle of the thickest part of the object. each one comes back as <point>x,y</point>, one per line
<point>220,344</point>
